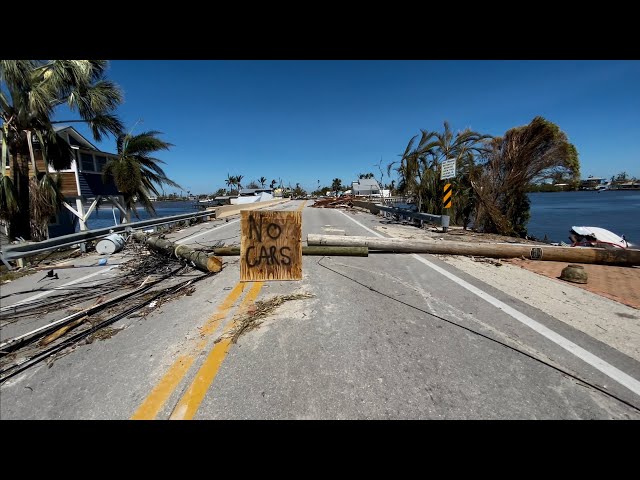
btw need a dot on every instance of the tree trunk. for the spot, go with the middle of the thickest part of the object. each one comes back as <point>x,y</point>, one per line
<point>19,224</point>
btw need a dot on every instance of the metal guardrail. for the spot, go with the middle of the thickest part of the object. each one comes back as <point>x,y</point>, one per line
<point>22,250</point>
<point>442,220</point>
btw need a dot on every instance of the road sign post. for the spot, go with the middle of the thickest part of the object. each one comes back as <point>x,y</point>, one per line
<point>447,200</point>
<point>448,171</point>
<point>270,245</point>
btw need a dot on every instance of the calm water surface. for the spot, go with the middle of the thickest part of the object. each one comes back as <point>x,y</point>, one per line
<point>554,213</point>
<point>104,216</point>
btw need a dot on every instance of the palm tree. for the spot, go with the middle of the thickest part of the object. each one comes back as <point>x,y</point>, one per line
<point>238,180</point>
<point>230,181</point>
<point>30,92</point>
<point>336,185</point>
<point>273,183</point>
<point>418,167</point>
<point>263,180</point>
<point>135,172</point>
<point>510,165</point>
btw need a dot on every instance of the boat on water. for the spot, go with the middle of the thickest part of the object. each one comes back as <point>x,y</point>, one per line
<point>596,237</point>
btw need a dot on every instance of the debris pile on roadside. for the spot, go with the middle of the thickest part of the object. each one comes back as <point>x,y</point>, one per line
<point>334,202</point>
<point>143,282</point>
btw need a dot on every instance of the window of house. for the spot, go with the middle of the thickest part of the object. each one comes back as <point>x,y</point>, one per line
<point>101,162</point>
<point>86,160</point>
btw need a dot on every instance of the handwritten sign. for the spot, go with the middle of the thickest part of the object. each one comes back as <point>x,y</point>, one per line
<point>270,245</point>
<point>448,169</point>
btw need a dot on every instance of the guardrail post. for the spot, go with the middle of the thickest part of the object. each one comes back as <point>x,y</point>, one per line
<point>444,221</point>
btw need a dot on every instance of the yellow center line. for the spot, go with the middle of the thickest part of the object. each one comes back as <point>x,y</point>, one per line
<point>302,206</point>
<point>154,402</point>
<point>188,405</point>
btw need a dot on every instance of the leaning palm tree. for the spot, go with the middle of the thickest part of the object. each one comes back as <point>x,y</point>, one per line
<point>30,92</point>
<point>263,180</point>
<point>238,180</point>
<point>135,172</point>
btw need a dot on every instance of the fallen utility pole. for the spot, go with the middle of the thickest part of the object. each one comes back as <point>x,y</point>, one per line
<point>311,250</point>
<point>200,259</point>
<point>618,256</point>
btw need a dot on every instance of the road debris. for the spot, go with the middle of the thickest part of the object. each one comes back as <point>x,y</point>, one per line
<point>104,334</point>
<point>255,316</point>
<point>345,201</point>
<point>491,261</point>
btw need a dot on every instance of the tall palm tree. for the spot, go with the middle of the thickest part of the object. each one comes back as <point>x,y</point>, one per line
<point>238,180</point>
<point>263,180</point>
<point>30,92</point>
<point>230,181</point>
<point>135,172</point>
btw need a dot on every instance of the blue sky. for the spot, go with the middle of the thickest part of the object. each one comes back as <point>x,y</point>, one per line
<point>304,121</point>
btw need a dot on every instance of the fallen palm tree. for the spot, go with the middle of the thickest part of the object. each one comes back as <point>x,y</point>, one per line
<point>604,256</point>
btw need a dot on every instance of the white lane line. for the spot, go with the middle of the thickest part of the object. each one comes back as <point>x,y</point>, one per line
<point>214,229</point>
<point>48,292</point>
<point>588,357</point>
<point>366,228</point>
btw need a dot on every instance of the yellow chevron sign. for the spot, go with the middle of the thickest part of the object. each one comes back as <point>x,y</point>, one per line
<point>447,201</point>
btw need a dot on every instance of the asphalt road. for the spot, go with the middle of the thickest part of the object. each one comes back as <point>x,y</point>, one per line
<point>389,336</point>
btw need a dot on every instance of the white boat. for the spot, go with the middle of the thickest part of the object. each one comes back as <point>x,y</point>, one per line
<point>596,237</point>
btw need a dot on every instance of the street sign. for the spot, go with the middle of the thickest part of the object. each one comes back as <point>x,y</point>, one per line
<point>448,169</point>
<point>270,245</point>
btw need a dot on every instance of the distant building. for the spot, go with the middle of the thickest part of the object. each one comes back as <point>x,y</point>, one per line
<point>365,187</point>
<point>255,191</point>
<point>625,186</point>
<point>252,195</point>
<point>591,183</point>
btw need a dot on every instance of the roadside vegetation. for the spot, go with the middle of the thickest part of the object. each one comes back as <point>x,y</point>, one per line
<point>135,172</point>
<point>493,174</point>
<point>34,96</point>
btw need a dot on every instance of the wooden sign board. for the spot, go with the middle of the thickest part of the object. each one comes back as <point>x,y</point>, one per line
<point>270,245</point>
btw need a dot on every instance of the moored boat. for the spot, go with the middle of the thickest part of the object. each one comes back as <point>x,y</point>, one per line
<point>596,237</point>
